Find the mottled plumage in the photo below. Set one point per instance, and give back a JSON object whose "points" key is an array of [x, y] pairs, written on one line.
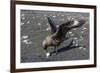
{"points": [[58, 34]]}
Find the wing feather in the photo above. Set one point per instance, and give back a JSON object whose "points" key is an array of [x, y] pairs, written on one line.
{"points": [[65, 27], [52, 25]]}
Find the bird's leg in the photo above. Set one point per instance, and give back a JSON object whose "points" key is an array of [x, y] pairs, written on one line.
{"points": [[47, 53], [56, 51], [71, 43], [45, 48], [66, 38]]}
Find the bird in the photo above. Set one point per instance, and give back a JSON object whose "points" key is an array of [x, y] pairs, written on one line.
{"points": [[58, 34]]}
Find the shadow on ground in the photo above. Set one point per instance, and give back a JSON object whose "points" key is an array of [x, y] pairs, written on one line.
{"points": [[66, 48]]}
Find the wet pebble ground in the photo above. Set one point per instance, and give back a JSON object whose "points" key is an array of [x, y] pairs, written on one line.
{"points": [[35, 27]]}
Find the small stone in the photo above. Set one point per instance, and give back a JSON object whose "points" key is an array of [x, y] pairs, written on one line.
{"points": [[75, 38], [24, 37], [47, 54], [82, 31], [47, 24], [45, 15], [70, 32], [54, 16], [28, 22], [23, 18], [84, 28], [81, 37], [57, 25], [39, 23], [62, 19], [22, 14], [84, 48], [74, 29], [25, 41], [80, 47], [76, 44], [47, 29], [29, 42], [62, 15], [33, 17], [22, 23]]}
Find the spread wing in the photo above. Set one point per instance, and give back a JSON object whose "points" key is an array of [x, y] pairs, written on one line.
{"points": [[78, 23], [65, 27], [52, 25]]}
